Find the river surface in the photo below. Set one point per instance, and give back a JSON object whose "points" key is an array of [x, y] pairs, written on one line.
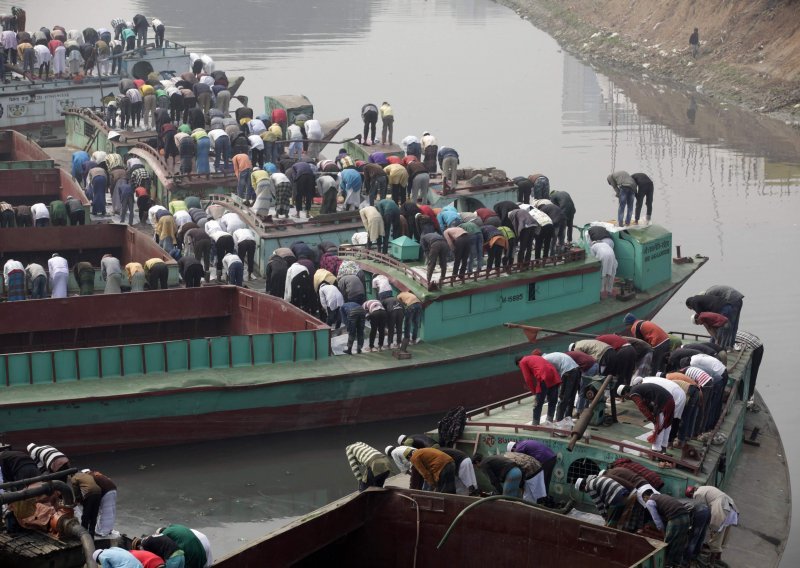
{"points": [[502, 93]]}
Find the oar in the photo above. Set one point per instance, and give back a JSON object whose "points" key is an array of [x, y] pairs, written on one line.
{"points": [[586, 415], [531, 332]]}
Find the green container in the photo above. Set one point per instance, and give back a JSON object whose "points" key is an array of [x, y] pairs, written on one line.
{"points": [[652, 255], [403, 248]]}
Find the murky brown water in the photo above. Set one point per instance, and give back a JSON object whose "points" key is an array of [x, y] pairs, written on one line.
{"points": [[503, 94]]}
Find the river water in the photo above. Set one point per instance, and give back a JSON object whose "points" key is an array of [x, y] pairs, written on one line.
{"points": [[502, 93]]}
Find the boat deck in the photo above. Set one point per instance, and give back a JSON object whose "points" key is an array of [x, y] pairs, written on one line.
{"points": [[499, 341]]}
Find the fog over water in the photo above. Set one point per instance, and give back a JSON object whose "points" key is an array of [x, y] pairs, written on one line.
{"points": [[502, 93]]}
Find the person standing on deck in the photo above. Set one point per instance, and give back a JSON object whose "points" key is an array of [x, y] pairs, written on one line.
{"points": [[157, 273], [430, 149], [354, 317], [413, 319], [88, 494], [370, 467], [382, 287], [608, 266], [158, 28], [504, 475], [564, 201], [37, 281], [732, 298], [58, 269], [376, 181], [387, 123], [245, 242], [140, 25], [191, 271], [84, 276], [111, 271], [436, 251], [448, 162], [652, 334], [373, 223], [460, 243], [539, 451], [543, 380], [747, 340], [165, 232], [233, 268], [136, 276], [570, 374], [369, 114], [625, 190], [350, 184], [678, 395], [14, 279], [644, 196], [436, 468], [609, 496], [716, 325], [724, 515], [524, 187], [331, 300], [41, 215], [525, 228], [717, 305], [466, 483], [390, 212], [242, 169], [657, 405], [377, 316], [417, 441], [475, 257], [625, 357], [672, 517], [398, 182], [544, 230], [396, 313], [108, 503]]}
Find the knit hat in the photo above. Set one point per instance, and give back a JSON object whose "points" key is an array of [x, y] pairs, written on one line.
{"points": [[578, 483], [602, 471], [571, 347], [629, 318], [388, 450], [136, 543], [637, 380], [510, 446], [400, 439], [693, 317], [96, 554], [622, 390]]}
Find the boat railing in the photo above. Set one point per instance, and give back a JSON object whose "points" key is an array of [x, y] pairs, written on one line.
{"points": [[360, 252], [268, 223], [693, 466]]}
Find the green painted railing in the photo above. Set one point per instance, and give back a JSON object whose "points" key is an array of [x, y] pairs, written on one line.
{"points": [[116, 361]]}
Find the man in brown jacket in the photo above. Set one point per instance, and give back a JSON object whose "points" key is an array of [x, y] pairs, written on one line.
{"points": [[436, 468]]}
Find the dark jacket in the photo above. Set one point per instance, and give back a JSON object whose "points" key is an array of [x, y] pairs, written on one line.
{"points": [[643, 183], [496, 468], [275, 276], [564, 201], [502, 208], [350, 286]]}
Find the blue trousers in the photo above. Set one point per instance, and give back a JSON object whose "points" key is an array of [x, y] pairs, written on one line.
{"points": [[626, 199], [512, 482], [236, 274]]}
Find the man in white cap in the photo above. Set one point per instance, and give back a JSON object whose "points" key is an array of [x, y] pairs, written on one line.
{"points": [[678, 395], [115, 557]]}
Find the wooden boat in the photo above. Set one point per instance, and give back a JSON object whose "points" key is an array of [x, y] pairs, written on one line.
{"points": [[402, 527], [750, 449], [34, 107], [241, 382]]}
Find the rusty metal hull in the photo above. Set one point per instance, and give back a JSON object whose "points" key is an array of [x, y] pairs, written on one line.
{"points": [[401, 527]]}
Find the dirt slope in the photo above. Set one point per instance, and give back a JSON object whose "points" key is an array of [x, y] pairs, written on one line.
{"points": [[750, 49]]}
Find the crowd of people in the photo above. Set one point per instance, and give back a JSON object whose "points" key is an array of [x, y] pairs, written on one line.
{"points": [[95, 497], [60, 53]]}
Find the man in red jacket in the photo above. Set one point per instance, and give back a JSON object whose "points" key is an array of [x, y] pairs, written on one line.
{"points": [[542, 380], [652, 334]]}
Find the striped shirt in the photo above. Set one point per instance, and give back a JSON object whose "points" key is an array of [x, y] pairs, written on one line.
{"points": [[44, 455], [363, 458], [699, 375], [748, 340], [605, 492]]}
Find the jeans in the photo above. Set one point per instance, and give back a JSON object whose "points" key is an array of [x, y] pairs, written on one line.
{"points": [[413, 319], [387, 130], [222, 150], [370, 121], [126, 207], [395, 325], [475, 251], [626, 198], [244, 187], [551, 395], [334, 318], [39, 288], [377, 324], [378, 187], [295, 149], [566, 393], [236, 274], [512, 482]]}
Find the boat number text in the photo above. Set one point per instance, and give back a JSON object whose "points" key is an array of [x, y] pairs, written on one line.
{"points": [[509, 299], [657, 250]]}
